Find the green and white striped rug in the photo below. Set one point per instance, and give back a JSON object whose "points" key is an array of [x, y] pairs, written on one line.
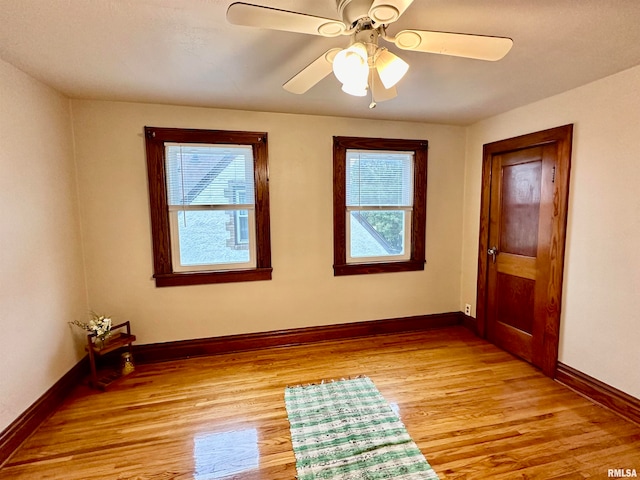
{"points": [[345, 430]]}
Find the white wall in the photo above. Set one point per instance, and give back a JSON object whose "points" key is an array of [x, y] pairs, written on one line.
{"points": [[600, 335], [41, 258], [42, 282], [303, 291]]}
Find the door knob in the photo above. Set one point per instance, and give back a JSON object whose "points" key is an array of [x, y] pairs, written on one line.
{"points": [[493, 251]]}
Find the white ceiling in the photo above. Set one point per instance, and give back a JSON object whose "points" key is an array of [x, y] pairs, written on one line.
{"points": [[184, 52]]}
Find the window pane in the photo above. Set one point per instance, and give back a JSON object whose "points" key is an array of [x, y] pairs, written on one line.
{"points": [[377, 233], [207, 237], [209, 174], [379, 178], [242, 226]]}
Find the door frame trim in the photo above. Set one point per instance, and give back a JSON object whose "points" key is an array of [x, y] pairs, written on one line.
{"points": [[562, 137]]}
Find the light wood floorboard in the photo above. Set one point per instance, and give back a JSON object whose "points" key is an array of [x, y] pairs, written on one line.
{"points": [[475, 411]]}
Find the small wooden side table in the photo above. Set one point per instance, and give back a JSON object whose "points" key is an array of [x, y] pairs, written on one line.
{"points": [[116, 340]]}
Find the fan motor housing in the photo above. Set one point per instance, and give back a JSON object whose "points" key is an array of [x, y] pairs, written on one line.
{"points": [[368, 37], [353, 10]]}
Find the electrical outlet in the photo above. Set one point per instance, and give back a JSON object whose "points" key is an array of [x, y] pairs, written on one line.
{"points": [[467, 310]]}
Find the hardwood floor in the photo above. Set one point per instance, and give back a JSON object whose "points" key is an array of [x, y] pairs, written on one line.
{"points": [[475, 412]]}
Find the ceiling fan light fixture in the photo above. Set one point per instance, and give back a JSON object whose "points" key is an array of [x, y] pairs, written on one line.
{"points": [[378, 91], [390, 67], [357, 90], [350, 66]]}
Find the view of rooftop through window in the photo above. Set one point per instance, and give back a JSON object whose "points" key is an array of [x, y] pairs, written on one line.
{"points": [[210, 190]]}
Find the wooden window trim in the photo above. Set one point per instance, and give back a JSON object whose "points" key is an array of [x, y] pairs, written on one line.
{"points": [[418, 226], [162, 266]]}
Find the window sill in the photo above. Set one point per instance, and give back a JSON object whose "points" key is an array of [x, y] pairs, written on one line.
{"points": [[369, 268], [203, 278]]}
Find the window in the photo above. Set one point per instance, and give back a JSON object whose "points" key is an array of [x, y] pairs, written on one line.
{"points": [[379, 205], [209, 199], [241, 225]]}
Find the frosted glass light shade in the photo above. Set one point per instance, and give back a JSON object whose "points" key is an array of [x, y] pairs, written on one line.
{"points": [[357, 90], [350, 66], [390, 67]]}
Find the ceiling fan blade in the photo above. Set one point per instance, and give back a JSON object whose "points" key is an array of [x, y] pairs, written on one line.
{"points": [[457, 44], [379, 93], [312, 73], [388, 11], [249, 15]]}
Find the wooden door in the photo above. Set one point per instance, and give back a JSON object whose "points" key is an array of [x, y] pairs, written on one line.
{"points": [[523, 224]]}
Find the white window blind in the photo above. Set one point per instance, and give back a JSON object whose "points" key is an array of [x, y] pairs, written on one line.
{"points": [[207, 174], [379, 179]]}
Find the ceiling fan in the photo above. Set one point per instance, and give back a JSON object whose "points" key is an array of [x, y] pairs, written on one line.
{"points": [[364, 65]]}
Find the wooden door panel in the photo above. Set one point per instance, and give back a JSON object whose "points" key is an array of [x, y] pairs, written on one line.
{"points": [[523, 219], [520, 209], [516, 189], [515, 304], [517, 265], [515, 341]]}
